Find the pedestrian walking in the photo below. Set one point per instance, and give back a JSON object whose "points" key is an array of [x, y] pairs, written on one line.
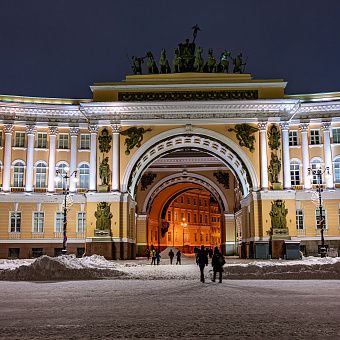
{"points": [[178, 256], [158, 257], [153, 257], [147, 253], [202, 261], [171, 255], [217, 263]]}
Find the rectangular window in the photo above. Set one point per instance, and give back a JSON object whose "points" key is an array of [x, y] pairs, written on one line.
{"points": [[59, 222], [19, 139], [182, 217], [189, 217], [194, 201], [336, 135], [206, 237], [201, 237], [81, 222], [85, 141], [38, 222], [15, 221], [293, 138], [317, 216], [201, 218], [205, 203], [295, 173], [169, 216], [182, 199], [169, 236], [314, 137], [206, 219], [195, 218], [42, 140], [63, 141], [195, 237], [188, 200], [299, 219], [200, 202], [176, 217]]}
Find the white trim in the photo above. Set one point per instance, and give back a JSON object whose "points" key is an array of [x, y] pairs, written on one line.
{"points": [[31, 241], [153, 149]]}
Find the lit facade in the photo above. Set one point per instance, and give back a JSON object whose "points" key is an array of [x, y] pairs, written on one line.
{"points": [[40, 135]]}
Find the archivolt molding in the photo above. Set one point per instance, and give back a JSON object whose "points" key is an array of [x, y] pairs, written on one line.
{"points": [[185, 178], [200, 139]]}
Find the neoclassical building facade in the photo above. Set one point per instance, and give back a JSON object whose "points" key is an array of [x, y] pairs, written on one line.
{"points": [[169, 135]]}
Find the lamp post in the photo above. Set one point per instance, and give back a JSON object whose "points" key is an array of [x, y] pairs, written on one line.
{"points": [[183, 225], [318, 172], [64, 177]]}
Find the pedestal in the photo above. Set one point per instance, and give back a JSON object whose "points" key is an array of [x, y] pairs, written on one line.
{"points": [[103, 188], [100, 246], [292, 250], [261, 250], [277, 186]]}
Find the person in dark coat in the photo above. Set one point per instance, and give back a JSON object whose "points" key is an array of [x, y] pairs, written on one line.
{"points": [[217, 263], [153, 256], [171, 255], [202, 261], [158, 257], [178, 256], [147, 253]]}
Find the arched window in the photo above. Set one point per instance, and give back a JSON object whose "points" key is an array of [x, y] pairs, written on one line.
{"points": [[295, 172], [316, 164], [18, 174], [84, 176], [40, 175], [61, 167], [337, 169]]}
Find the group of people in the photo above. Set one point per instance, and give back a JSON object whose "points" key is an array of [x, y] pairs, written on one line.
{"points": [[217, 260]]}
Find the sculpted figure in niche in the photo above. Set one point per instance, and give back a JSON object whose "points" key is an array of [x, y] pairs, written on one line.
{"points": [[278, 215], [104, 171], [103, 216], [274, 137], [274, 169]]}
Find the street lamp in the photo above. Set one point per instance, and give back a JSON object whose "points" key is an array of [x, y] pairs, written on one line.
{"points": [[318, 172], [183, 225], [65, 178]]}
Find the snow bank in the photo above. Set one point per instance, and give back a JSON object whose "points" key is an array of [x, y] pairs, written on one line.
{"points": [[65, 267], [69, 267]]}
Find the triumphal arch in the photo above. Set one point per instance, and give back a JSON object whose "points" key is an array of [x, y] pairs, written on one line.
{"points": [[171, 159]]}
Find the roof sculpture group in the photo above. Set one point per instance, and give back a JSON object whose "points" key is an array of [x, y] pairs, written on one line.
{"points": [[188, 58]]}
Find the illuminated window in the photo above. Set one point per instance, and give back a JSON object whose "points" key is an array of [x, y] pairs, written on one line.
{"points": [[299, 219], [40, 175], [15, 221], [81, 222], [63, 141], [85, 141], [38, 222], [42, 140], [59, 221], [19, 141], [18, 174], [293, 138], [295, 172], [336, 135], [182, 217], [84, 176], [314, 137], [169, 215], [176, 217]]}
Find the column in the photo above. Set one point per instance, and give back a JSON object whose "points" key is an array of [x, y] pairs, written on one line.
{"points": [[52, 130], [115, 156], [305, 155], [285, 155], [30, 130], [93, 157], [263, 155], [328, 154], [6, 179], [73, 163]]}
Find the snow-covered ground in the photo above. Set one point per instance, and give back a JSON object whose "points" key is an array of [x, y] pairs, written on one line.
{"points": [[69, 267]]}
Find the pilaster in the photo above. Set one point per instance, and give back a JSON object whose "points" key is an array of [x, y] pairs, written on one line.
{"points": [[285, 155], [305, 154], [30, 130], [93, 157], [116, 128], [263, 155], [52, 130]]}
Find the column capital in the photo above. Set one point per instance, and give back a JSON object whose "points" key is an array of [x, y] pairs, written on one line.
{"points": [[52, 130], [30, 129], [284, 126], [93, 128], [116, 127], [325, 126], [262, 126], [304, 127], [74, 131], [8, 128]]}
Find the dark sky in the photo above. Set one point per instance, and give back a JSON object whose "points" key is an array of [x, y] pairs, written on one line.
{"points": [[57, 48]]}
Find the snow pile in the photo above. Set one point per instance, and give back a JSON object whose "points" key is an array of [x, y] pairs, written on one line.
{"points": [[65, 267], [68, 267]]}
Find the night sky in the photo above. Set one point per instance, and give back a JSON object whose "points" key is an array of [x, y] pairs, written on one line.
{"points": [[59, 48]]}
